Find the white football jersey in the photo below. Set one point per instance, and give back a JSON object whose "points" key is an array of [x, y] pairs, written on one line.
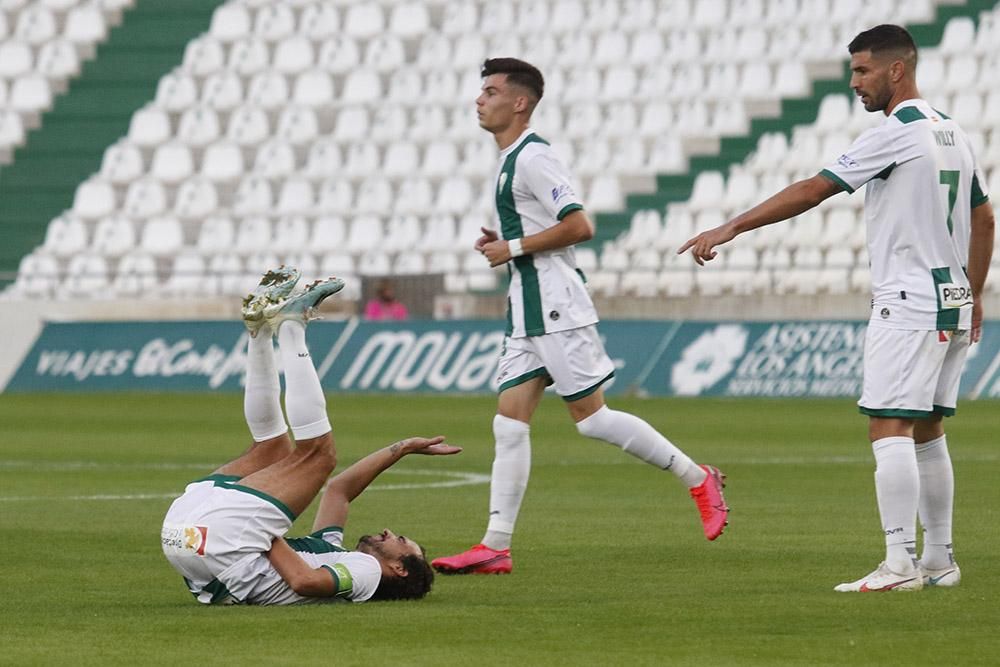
{"points": [[534, 192], [922, 184], [357, 575]]}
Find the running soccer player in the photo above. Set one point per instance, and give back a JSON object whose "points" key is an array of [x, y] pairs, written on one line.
{"points": [[551, 322], [930, 240], [225, 534]]}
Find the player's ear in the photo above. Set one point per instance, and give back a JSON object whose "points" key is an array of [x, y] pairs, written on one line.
{"points": [[398, 568]]}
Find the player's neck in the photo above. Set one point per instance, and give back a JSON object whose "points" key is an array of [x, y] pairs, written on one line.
{"points": [[509, 135], [902, 94]]}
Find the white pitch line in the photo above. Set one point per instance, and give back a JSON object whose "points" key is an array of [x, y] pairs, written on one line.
{"points": [[454, 479]]}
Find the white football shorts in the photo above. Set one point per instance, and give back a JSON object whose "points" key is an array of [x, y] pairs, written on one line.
{"points": [[215, 526], [912, 374], [574, 360]]}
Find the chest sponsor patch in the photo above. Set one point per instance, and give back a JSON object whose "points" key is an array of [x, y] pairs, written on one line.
{"points": [[954, 296], [190, 540]]}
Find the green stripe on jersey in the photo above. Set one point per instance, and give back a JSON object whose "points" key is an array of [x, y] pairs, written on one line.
{"points": [[884, 174], [947, 318], [837, 180], [511, 228], [978, 198], [567, 209], [942, 115], [909, 115], [312, 545]]}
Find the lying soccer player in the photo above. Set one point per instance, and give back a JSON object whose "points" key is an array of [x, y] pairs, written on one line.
{"points": [[225, 534]]}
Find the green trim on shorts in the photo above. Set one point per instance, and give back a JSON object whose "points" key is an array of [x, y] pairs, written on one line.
{"points": [[521, 379], [895, 412], [217, 589], [217, 478], [943, 411], [260, 494], [589, 390]]}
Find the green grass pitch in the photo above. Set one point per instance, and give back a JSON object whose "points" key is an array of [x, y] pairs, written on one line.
{"points": [[610, 564]]}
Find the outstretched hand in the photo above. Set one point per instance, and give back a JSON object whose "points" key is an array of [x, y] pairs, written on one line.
{"points": [[435, 446], [703, 244]]}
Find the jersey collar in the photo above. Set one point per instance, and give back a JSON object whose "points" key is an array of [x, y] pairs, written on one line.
{"points": [[517, 142]]}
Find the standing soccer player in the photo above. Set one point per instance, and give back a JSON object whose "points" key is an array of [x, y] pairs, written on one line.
{"points": [[551, 322], [930, 240]]}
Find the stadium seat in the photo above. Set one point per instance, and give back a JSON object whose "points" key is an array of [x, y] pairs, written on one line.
{"points": [[94, 198], [338, 55], [362, 86], [136, 275], [144, 198], [65, 236], [176, 91], [313, 88], [203, 56], [222, 162], [196, 198], [248, 56], [324, 159], [253, 196], [327, 234], [172, 163], [38, 275], [86, 277], [364, 21], [122, 163], [188, 277], [362, 160], [113, 236], [296, 197], [335, 196], [149, 126], [402, 158], [36, 24], [230, 22], [216, 235], [319, 21], [294, 54], [253, 235], [30, 94], [365, 234], [58, 60], [229, 275], [85, 26], [268, 90], [385, 53], [374, 195], [291, 234], [275, 159], [162, 236], [297, 125], [274, 21], [222, 91], [248, 126]]}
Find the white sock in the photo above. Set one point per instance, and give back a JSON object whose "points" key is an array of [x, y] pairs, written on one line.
{"points": [[897, 487], [262, 397], [511, 467], [937, 489], [304, 399], [642, 441]]}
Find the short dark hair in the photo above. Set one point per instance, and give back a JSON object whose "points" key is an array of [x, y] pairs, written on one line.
{"points": [[413, 586], [885, 37], [518, 72]]}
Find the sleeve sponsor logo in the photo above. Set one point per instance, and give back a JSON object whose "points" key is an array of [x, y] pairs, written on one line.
{"points": [[564, 190], [847, 162]]}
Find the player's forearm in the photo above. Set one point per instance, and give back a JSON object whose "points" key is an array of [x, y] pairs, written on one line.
{"points": [[349, 484], [980, 246], [574, 228], [794, 200], [303, 579]]}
